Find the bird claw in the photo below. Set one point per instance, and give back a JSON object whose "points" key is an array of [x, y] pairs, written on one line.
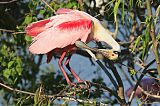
{"points": [[81, 84], [84, 84], [72, 85]]}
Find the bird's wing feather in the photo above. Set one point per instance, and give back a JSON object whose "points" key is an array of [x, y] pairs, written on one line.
{"points": [[63, 11], [62, 35], [36, 27]]}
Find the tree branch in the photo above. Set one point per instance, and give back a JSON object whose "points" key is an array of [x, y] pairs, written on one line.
{"points": [[68, 97], [119, 80], [7, 2], [152, 34], [138, 82], [11, 31], [48, 6], [148, 94]]}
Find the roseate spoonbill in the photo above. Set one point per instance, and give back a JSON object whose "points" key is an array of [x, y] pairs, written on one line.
{"points": [[148, 85], [59, 33]]}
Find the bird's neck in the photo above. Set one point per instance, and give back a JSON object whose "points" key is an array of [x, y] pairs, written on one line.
{"points": [[102, 34]]}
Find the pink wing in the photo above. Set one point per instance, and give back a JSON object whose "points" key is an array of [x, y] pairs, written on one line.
{"points": [[64, 11], [37, 27], [62, 35]]}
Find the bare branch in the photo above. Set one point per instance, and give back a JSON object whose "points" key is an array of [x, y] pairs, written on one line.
{"points": [[66, 97], [48, 6], [7, 2], [119, 80], [138, 81], [152, 34], [141, 72], [16, 90], [12, 31], [148, 94]]}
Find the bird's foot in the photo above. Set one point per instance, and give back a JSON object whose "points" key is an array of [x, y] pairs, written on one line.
{"points": [[81, 84], [84, 84], [81, 87], [72, 85]]}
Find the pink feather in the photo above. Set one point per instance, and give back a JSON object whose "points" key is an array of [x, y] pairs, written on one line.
{"points": [[63, 11], [58, 32], [37, 27]]}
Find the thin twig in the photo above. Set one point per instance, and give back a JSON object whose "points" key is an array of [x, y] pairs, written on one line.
{"points": [[12, 31], [61, 97], [116, 30], [109, 90], [48, 6], [148, 94], [140, 72], [138, 82], [81, 4], [119, 80], [125, 75], [103, 88], [107, 73], [7, 2], [16, 90], [6, 30], [152, 34]]}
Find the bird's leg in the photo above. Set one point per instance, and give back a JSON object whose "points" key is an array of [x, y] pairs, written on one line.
{"points": [[71, 70], [74, 74], [62, 69]]}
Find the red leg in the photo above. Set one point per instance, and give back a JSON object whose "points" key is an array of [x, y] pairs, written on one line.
{"points": [[62, 69], [71, 70]]}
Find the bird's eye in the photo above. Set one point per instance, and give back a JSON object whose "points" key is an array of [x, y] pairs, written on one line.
{"points": [[115, 52]]}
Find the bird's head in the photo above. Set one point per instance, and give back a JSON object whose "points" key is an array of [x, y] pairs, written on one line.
{"points": [[101, 34], [111, 55], [112, 48]]}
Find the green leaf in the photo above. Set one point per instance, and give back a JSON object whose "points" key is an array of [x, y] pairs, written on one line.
{"points": [[4, 50], [123, 11], [19, 65], [6, 73], [130, 5], [10, 64], [136, 43], [28, 19], [139, 3], [132, 72], [146, 37], [28, 38], [116, 9], [42, 11], [36, 97]]}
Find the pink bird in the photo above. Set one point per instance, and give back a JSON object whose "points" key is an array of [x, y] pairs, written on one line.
{"points": [[59, 33], [149, 85]]}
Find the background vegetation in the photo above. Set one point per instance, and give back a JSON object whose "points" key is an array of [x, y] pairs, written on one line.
{"points": [[24, 82]]}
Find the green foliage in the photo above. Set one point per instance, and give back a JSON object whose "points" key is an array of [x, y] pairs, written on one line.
{"points": [[137, 42], [115, 10], [40, 100], [28, 38], [146, 38], [10, 63], [132, 72], [123, 1], [28, 19]]}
